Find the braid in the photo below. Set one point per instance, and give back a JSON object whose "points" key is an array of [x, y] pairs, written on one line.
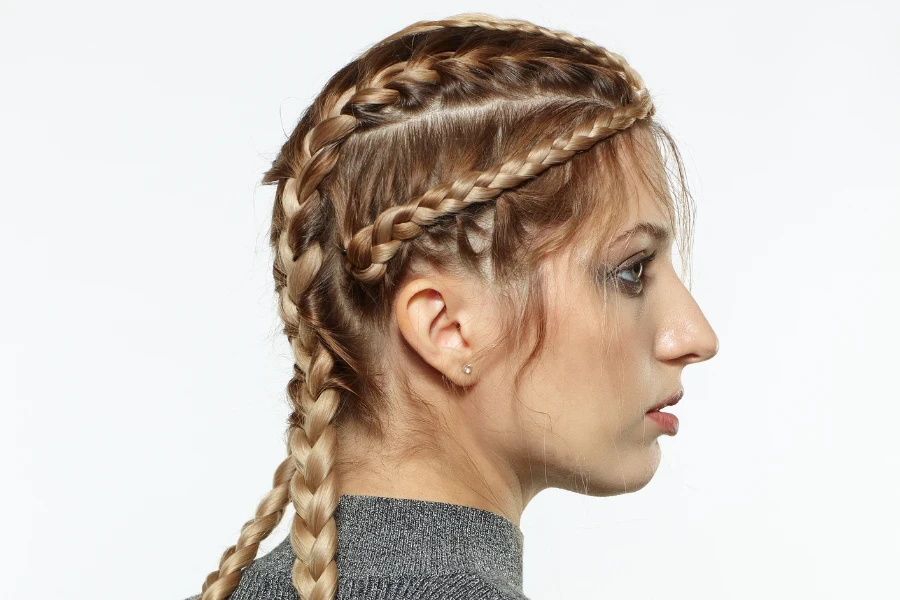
{"points": [[375, 244], [307, 478], [220, 583], [485, 21]]}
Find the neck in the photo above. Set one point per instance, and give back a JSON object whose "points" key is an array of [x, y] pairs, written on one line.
{"points": [[467, 476]]}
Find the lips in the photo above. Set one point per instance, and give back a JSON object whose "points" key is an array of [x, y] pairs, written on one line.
{"points": [[670, 401]]}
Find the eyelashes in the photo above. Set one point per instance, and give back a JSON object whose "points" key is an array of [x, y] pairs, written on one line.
{"points": [[635, 270]]}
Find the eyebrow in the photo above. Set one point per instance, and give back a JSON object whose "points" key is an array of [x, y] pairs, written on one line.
{"points": [[658, 232]]}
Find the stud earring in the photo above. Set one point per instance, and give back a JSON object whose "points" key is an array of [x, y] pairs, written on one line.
{"points": [[467, 369]]}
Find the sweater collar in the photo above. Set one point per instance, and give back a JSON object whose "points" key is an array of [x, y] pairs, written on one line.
{"points": [[384, 536]]}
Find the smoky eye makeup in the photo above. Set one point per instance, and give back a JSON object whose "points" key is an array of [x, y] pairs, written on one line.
{"points": [[629, 275]]}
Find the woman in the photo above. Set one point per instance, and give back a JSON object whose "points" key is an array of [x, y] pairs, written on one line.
{"points": [[473, 234]]}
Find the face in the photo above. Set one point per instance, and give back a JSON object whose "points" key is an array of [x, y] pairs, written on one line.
{"points": [[578, 421], [610, 355]]}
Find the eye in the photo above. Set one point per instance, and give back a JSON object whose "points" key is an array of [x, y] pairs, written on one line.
{"points": [[633, 283]]}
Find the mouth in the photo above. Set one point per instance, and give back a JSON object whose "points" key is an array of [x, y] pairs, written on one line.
{"points": [[670, 401]]}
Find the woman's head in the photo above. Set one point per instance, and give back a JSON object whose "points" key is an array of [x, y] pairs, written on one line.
{"points": [[462, 310]]}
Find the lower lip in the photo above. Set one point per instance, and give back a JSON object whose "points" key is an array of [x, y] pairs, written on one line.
{"points": [[667, 421]]}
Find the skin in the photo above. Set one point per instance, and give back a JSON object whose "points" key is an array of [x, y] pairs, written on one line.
{"points": [[579, 420]]}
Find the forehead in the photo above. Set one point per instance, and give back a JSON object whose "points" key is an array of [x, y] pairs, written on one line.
{"points": [[646, 217], [641, 212], [631, 198]]}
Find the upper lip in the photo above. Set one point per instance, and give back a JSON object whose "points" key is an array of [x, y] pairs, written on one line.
{"points": [[673, 399]]}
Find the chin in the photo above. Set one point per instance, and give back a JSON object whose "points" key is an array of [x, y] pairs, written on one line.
{"points": [[625, 477]]}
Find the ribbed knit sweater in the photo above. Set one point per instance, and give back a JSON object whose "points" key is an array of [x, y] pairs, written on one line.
{"points": [[404, 549]]}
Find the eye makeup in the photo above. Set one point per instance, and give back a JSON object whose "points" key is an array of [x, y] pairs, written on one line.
{"points": [[633, 287]]}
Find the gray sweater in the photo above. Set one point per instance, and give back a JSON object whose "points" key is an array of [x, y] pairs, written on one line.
{"points": [[403, 549]]}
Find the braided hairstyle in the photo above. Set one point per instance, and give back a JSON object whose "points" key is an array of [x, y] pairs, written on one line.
{"points": [[426, 149]]}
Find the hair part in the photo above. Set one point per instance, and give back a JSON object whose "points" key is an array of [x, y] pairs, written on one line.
{"points": [[473, 145]]}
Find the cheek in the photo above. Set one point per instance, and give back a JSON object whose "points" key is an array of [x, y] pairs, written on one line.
{"points": [[592, 380], [584, 400], [606, 381]]}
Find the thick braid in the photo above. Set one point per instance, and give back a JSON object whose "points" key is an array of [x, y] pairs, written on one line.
{"points": [[375, 244], [313, 439]]}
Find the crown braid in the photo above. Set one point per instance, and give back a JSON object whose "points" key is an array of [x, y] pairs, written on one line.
{"points": [[306, 477]]}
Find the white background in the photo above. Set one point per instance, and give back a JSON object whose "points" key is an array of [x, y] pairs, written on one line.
{"points": [[142, 368]]}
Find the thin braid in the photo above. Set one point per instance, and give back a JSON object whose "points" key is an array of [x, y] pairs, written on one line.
{"points": [[306, 477], [485, 21], [220, 583], [375, 244], [340, 121]]}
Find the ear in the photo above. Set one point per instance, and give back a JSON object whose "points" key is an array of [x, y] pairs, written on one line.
{"points": [[436, 322]]}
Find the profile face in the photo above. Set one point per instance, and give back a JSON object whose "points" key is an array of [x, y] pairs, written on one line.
{"points": [[610, 356]]}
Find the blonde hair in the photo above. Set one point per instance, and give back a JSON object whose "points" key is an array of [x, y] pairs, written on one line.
{"points": [[434, 146]]}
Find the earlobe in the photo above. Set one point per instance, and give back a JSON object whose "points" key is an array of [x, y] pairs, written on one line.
{"points": [[428, 318]]}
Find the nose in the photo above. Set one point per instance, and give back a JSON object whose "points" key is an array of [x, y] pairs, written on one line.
{"points": [[685, 334]]}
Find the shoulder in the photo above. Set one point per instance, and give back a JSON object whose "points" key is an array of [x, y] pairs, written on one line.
{"points": [[269, 578], [438, 587], [470, 586]]}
